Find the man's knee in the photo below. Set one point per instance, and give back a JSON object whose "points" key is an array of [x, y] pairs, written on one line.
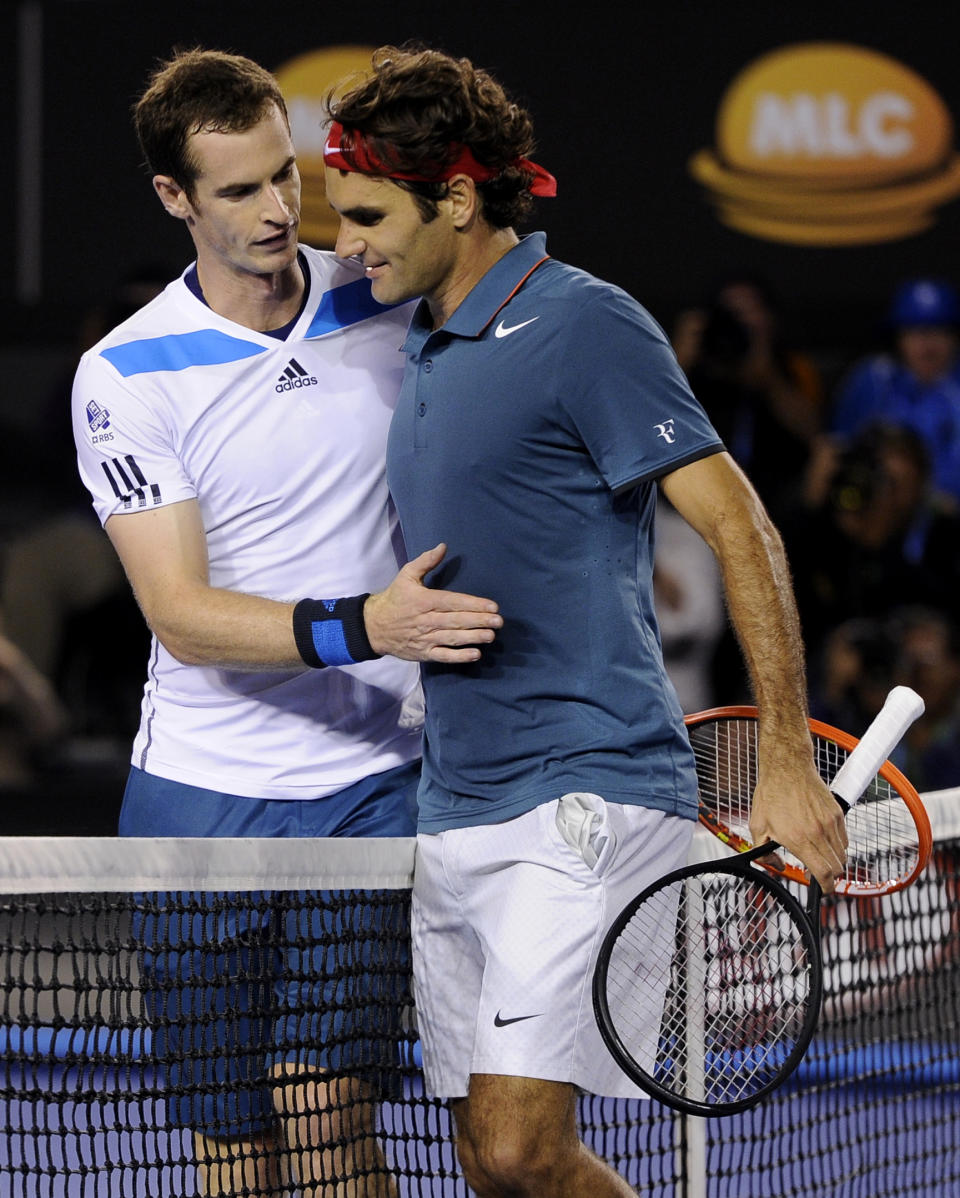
{"points": [[511, 1167], [511, 1150], [250, 1164], [324, 1108], [514, 1167]]}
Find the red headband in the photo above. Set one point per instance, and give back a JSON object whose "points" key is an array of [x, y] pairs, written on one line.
{"points": [[360, 156]]}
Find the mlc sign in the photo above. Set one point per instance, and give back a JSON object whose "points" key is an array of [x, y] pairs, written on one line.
{"points": [[829, 144], [305, 82]]}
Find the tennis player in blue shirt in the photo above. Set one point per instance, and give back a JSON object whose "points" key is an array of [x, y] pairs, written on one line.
{"points": [[541, 408]]}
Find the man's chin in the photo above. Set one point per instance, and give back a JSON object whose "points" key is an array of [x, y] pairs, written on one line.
{"points": [[381, 291], [272, 262], [385, 290]]}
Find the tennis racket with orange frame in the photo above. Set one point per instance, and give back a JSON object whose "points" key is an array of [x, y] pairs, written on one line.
{"points": [[887, 825], [708, 985]]}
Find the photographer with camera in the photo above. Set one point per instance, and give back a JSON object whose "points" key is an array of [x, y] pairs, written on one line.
{"points": [[915, 382], [765, 398], [874, 536]]}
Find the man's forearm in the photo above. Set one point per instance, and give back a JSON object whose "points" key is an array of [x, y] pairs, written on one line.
{"points": [[763, 612], [211, 626], [791, 806], [715, 497]]}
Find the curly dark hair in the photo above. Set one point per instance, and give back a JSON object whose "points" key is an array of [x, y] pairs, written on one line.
{"points": [[420, 104], [199, 90]]}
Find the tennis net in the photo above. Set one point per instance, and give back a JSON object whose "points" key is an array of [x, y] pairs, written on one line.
{"points": [[183, 1015]]}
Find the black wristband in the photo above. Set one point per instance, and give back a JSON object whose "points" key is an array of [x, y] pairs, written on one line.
{"points": [[331, 632]]}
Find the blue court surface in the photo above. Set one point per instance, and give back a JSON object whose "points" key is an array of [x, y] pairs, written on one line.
{"points": [[62, 1137], [842, 1142]]}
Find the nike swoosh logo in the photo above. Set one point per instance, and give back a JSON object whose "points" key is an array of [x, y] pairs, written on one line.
{"points": [[498, 1022], [504, 330]]}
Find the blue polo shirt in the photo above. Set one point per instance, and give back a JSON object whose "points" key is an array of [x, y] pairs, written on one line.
{"points": [[528, 436]]}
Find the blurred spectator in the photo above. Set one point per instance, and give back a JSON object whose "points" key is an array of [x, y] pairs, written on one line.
{"points": [[916, 384], [46, 789], [57, 569], [765, 398], [874, 536], [63, 597], [45, 482], [688, 595], [916, 646], [32, 722], [854, 674], [928, 659]]}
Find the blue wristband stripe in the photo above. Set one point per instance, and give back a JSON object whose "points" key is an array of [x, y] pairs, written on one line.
{"points": [[331, 632], [330, 642]]}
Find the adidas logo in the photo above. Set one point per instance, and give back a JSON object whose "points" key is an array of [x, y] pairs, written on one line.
{"points": [[295, 377]]}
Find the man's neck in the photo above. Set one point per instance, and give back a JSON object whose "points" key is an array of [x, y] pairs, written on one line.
{"points": [[482, 250], [260, 302]]}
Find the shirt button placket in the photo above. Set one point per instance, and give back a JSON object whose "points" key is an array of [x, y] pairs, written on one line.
{"points": [[420, 422]]}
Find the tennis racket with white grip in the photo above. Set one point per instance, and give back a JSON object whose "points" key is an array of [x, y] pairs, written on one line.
{"points": [[708, 985]]}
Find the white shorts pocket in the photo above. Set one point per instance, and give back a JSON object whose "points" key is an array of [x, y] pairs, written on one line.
{"points": [[584, 823]]}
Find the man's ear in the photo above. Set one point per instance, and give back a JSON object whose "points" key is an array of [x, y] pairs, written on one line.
{"points": [[463, 199], [172, 197]]}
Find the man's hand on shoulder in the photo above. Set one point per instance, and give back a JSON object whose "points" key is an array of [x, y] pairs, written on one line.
{"points": [[417, 623]]}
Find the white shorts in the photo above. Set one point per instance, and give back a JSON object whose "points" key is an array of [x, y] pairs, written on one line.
{"points": [[507, 923]]}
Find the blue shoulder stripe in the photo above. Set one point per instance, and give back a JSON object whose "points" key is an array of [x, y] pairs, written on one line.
{"points": [[177, 351], [344, 306], [338, 308]]}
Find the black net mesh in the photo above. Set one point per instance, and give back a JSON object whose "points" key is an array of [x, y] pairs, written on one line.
{"points": [[263, 1042]]}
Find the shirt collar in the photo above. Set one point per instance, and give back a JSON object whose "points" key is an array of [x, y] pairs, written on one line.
{"points": [[491, 292]]}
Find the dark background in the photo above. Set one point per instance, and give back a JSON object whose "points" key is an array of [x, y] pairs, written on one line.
{"points": [[623, 94]]}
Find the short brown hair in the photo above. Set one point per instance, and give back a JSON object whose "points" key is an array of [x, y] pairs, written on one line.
{"points": [[419, 103], [199, 90]]}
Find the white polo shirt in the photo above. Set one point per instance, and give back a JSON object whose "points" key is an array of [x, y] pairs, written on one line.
{"points": [[282, 444]]}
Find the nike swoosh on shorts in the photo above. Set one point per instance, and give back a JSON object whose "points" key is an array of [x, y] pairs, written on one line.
{"points": [[498, 1022]]}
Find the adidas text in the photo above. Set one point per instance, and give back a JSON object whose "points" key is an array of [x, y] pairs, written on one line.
{"points": [[293, 384]]}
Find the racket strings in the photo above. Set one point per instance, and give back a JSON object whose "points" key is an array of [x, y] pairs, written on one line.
{"points": [[709, 987], [884, 846]]}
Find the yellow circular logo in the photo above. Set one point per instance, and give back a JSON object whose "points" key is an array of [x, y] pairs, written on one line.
{"points": [[305, 81], [829, 144]]}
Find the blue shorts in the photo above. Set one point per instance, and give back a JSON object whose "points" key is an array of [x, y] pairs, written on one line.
{"points": [[242, 982]]}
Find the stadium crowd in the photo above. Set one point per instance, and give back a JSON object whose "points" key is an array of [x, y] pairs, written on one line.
{"points": [[863, 480], [861, 476]]}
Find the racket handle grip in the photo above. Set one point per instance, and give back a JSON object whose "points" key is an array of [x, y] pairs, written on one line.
{"points": [[901, 708]]}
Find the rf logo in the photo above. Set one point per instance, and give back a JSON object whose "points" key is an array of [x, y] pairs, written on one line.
{"points": [[666, 430]]}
